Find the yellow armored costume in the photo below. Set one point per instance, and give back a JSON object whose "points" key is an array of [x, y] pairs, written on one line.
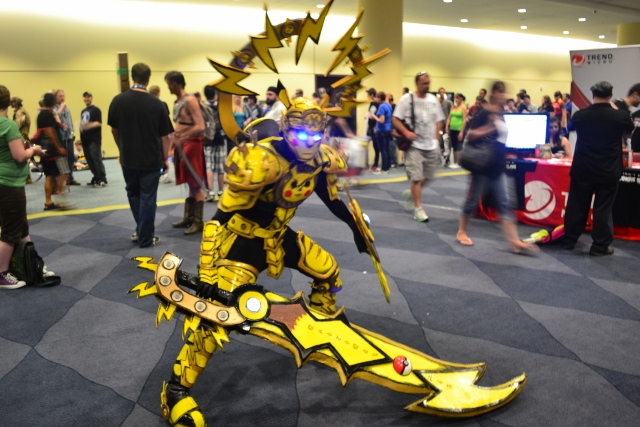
{"points": [[267, 180]]}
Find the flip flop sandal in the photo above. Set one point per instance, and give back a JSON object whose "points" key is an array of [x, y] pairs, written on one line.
{"points": [[465, 242], [50, 207]]}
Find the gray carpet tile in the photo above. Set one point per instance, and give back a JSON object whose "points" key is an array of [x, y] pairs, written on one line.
{"points": [[115, 286], [28, 314], [43, 393], [559, 391], [596, 339], [628, 385], [11, 354], [57, 228], [94, 265], [453, 272], [98, 327], [87, 353], [630, 292], [485, 316], [550, 288], [140, 417]]}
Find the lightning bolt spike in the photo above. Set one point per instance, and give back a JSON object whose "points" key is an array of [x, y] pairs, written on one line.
{"points": [[230, 78], [346, 44], [263, 42], [311, 29], [360, 70]]}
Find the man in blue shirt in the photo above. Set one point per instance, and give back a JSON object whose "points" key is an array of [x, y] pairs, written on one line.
{"points": [[383, 130]]}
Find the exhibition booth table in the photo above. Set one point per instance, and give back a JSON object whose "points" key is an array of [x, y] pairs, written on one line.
{"points": [[540, 189]]}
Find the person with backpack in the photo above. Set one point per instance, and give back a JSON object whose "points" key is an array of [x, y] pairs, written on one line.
{"points": [[14, 169], [188, 151]]}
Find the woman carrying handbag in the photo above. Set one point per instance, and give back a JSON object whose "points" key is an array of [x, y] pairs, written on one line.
{"points": [[489, 131]]}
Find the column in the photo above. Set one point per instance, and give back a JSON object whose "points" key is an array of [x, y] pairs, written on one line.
{"points": [[628, 34]]}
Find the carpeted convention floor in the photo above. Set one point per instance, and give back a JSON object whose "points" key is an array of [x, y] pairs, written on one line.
{"points": [[87, 354]]}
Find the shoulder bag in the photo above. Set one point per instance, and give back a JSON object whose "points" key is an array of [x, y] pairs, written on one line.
{"points": [[402, 141]]}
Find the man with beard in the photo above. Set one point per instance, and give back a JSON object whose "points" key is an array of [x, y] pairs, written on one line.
{"points": [[275, 107]]}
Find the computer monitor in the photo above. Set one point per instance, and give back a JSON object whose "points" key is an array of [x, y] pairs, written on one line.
{"points": [[526, 131]]}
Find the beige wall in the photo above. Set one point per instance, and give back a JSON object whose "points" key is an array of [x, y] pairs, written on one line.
{"points": [[78, 53]]}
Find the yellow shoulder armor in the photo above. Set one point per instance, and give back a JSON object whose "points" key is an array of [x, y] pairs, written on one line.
{"points": [[249, 169], [334, 162]]}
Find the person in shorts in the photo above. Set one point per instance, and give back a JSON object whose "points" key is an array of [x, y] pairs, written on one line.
{"points": [[14, 169], [423, 157]]}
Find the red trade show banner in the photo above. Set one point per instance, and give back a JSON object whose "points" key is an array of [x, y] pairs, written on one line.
{"points": [[540, 189]]}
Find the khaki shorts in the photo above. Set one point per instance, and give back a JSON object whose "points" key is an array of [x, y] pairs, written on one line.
{"points": [[421, 163]]}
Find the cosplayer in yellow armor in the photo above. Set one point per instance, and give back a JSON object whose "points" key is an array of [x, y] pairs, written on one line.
{"points": [[267, 179]]}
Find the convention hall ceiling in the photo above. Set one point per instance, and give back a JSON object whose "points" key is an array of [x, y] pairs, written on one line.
{"points": [[542, 17]]}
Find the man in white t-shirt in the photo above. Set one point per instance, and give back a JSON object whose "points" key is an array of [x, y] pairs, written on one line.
{"points": [[274, 107], [422, 158]]}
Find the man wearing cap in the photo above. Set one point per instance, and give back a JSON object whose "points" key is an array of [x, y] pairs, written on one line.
{"points": [[596, 168], [275, 107], [91, 138]]}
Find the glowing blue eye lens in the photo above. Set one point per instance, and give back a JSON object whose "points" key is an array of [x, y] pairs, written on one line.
{"points": [[317, 137], [302, 136]]}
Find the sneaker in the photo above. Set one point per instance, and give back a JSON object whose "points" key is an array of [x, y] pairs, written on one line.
{"points": [[154, 242], [100, 183], [9, 281], [134, 237], [409, 206], [373, 168], [74, 182], [210, 197], [47, 273], [92, 183], [218, 196], [420, 215], [377, 172], [454, 166]]}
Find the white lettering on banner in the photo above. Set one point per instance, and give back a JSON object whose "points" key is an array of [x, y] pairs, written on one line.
{"points": [[539, 200], [629, 178], [511, 166], [565, 194]]}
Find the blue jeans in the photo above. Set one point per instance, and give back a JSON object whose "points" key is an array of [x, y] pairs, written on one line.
{"points": [[142, 191], [482, 186], [382, 139]]}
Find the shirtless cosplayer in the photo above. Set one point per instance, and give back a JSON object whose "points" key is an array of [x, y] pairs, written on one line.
{"points": [[187, 144]]}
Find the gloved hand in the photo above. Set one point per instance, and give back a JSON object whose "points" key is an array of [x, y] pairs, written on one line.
{"points": [[206, 291]]}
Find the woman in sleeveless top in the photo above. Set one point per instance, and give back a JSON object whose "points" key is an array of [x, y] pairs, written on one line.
{"points": [[455, 127], [560, 146], [489, 127]]}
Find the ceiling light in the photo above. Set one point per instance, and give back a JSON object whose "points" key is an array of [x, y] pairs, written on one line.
{"points": [[523, 27], [447, 1], [522, 10], [565, 32], [582, 19], [601, 36], [320, 6], [464, 20]]}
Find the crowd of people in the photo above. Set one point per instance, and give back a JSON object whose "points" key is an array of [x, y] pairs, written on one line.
{"points": [[197, 147]]}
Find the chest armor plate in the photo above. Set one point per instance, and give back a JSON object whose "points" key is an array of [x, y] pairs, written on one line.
{"points": [[296, 185]]}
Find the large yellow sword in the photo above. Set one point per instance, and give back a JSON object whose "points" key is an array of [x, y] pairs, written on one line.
{"points": [[449, 389]]}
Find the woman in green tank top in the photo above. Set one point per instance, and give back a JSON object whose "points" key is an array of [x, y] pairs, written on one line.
{"points": [[455, 127]]}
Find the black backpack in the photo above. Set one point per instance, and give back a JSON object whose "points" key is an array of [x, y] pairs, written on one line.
{"points": [[28, 266]]}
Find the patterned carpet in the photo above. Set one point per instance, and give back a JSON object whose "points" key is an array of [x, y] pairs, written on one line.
{"points": [[87, 354]]}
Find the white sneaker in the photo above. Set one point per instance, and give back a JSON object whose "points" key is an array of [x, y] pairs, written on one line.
{"points": [[454, 166], [47, 273], [9, 281], [408, 201], [420, 215]]}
